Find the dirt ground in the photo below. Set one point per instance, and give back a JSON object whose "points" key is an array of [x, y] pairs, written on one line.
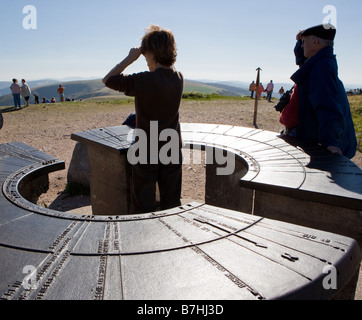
{"points": [[49, 127]]}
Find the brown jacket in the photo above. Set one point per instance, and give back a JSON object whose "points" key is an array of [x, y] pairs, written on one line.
{"points": [[157, 95]]}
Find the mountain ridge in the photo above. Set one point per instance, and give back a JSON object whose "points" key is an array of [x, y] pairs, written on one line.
{"points": [[91, 89]]}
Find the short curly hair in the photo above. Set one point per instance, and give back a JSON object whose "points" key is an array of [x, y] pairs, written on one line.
{"points": [[161, 43]]}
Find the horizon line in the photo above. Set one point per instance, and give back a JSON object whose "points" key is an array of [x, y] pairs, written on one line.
{"points": [[72, 79]]}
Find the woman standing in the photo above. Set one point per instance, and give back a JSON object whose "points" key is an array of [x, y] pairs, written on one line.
{"points": [[15, 90], [158, 96], [25, 92]]}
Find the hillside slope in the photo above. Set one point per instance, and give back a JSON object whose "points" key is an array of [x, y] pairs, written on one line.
{"points": [[73, 90], [95, 89]]}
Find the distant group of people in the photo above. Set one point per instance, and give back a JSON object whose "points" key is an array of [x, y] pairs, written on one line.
{"points": [[354, 92], [25, 92], [20, 91], [269, 90]]}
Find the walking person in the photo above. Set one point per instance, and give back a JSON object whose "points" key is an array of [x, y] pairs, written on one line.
{"points": [[158, 94], [15, 90], [25, 92]]}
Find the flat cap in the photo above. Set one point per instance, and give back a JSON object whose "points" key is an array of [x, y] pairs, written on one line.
{"points": [[324, 31]]}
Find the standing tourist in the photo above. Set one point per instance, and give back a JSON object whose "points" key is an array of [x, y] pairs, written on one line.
{"points": [[61, 93], [252, 89], [269, 90], [324, 110], [25, 92], [15, 90], [158, 96]]}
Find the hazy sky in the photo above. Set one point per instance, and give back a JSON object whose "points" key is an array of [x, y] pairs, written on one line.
{"points": [[218, 40]]}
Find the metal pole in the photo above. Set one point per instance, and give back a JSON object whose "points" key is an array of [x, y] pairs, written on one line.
{"points": [[256, 95]]}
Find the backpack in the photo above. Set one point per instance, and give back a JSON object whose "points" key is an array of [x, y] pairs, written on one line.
{"points": [[130, 121], [284, 100]]}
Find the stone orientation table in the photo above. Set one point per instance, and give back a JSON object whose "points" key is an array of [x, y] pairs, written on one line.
{"points": [[273, 176], [193, 252]]}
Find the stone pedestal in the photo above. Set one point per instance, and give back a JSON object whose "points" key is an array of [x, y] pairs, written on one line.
{"points": [[79, 172], [109, 181], [108, 169]]}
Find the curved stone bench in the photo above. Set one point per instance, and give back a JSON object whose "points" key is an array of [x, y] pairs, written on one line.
{"points": [[196, 251], [272, 176], [24, 176], [284, 179]]}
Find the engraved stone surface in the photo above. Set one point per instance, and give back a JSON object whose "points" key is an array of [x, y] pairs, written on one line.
{"points": [[196, 251]]}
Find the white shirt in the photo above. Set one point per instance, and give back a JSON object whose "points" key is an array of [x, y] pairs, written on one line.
{"points": [[25, 90]]}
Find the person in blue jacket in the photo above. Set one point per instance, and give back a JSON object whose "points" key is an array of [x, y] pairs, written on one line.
{"points": [[324, 111]]}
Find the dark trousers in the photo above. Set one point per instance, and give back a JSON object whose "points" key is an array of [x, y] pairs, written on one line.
{"points": [[143, 187], [17, 102], [269, 95]]}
